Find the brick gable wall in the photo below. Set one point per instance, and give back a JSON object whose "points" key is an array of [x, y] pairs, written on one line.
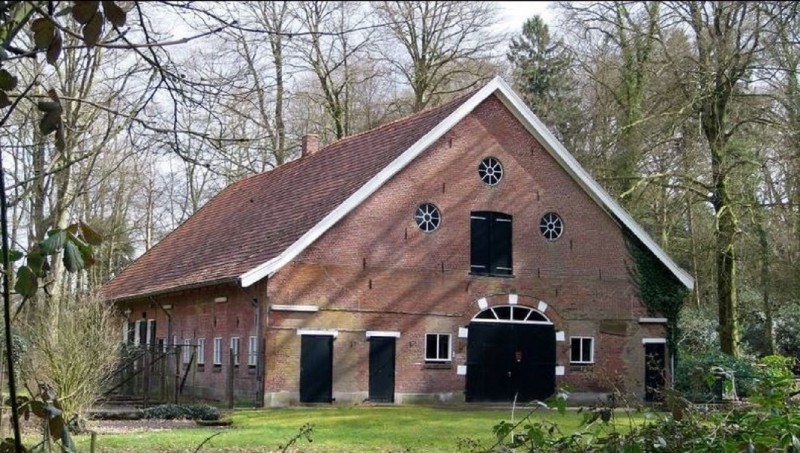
{"points": [[376, 270]]}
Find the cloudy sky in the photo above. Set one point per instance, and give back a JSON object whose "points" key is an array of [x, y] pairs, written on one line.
{"points": [[514, 14]]}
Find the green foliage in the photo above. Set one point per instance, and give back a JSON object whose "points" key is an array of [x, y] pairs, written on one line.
{"points": [[692, 375], [659, 290], [182, 411], [76, 241], [772, 425]]}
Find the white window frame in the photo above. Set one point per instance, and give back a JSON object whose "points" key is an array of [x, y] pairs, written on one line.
{"points": [[252, 351], [235, 350], [201, 351], [217, 359], [581, 360], [439, 336], [186, 348]]}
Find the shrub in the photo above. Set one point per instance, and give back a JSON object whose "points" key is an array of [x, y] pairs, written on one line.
{"points": [[692, 375], [182, 411], [73, 345]]}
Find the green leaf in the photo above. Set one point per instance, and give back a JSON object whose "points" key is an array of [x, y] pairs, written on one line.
{"points": [[73, 260], [7, 81], [14, 255], [83, 12], [54, 49], [91, 236], [27, 283], [114, 14], [43, 31], [93, 29], [4, 100], [55, 242]]}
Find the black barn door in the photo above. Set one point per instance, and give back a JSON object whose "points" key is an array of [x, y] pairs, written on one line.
{"points": [[381, 369], [655, 361], [505, 360], [316, 369]]}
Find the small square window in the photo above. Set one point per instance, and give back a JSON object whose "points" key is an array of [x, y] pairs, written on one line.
{"points": [[581, 350], [437, 347]]}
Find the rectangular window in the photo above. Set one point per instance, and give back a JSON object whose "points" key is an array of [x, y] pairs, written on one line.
{"points": [[151, 332], [437, 347], [201, 351], [218, 351], [252, 351], [235, 350], [187, 350], [581, 350], [490, 252]]}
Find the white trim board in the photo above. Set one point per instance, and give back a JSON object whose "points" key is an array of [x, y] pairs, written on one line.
{"points": [[303, 308], [518, 108], [333, 333], [652, 320], [654, 340], [382, 333]]}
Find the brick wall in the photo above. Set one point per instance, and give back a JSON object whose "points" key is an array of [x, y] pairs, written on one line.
{"points": [[376, 271]]}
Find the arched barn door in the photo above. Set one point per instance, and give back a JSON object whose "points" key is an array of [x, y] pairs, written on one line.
{"points": [[511, 352]]}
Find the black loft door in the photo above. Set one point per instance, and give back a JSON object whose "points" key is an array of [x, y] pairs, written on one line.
{"points": [[316, 369], [381, 369]]}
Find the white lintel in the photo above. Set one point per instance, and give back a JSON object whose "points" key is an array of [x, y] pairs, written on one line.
{"points": [[383, 333], [304, 308]]}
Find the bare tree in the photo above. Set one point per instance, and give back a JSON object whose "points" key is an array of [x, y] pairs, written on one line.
{"points": [[439, 39]]}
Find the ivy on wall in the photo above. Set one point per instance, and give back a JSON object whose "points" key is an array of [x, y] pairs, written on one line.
{"points": [[660, 291]]}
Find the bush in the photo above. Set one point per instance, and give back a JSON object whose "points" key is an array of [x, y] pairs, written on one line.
{"points": [[182, 411], [73, 346], [693, 379]]}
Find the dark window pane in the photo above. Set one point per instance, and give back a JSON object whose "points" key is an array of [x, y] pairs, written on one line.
{"points": [[430, 347], [519, 313], [536, 316], [587, 349], [503, 313], [444, 347], [575, 350], [486, 314]]}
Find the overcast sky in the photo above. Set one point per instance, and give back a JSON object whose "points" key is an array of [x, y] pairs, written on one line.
{"points": [[514, 14]]}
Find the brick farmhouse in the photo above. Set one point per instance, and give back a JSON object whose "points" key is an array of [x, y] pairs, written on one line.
{"points": [[459, 254]]}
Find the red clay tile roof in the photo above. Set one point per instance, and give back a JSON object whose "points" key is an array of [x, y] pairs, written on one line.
{"points": [[256, 219]]}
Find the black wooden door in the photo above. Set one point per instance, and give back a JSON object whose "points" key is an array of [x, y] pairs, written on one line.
{"points": [[655, 359], [506, 360], [316, 369], [381, 369]]}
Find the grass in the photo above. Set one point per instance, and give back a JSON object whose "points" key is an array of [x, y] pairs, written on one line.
{"points": [[339, 429]]}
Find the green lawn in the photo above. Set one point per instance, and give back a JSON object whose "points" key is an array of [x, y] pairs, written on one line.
{"points": [[339, 429]]}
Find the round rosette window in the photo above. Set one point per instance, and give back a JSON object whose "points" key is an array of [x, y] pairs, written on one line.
{"points": [[428, 217], [490, 170], [551, 226]]}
